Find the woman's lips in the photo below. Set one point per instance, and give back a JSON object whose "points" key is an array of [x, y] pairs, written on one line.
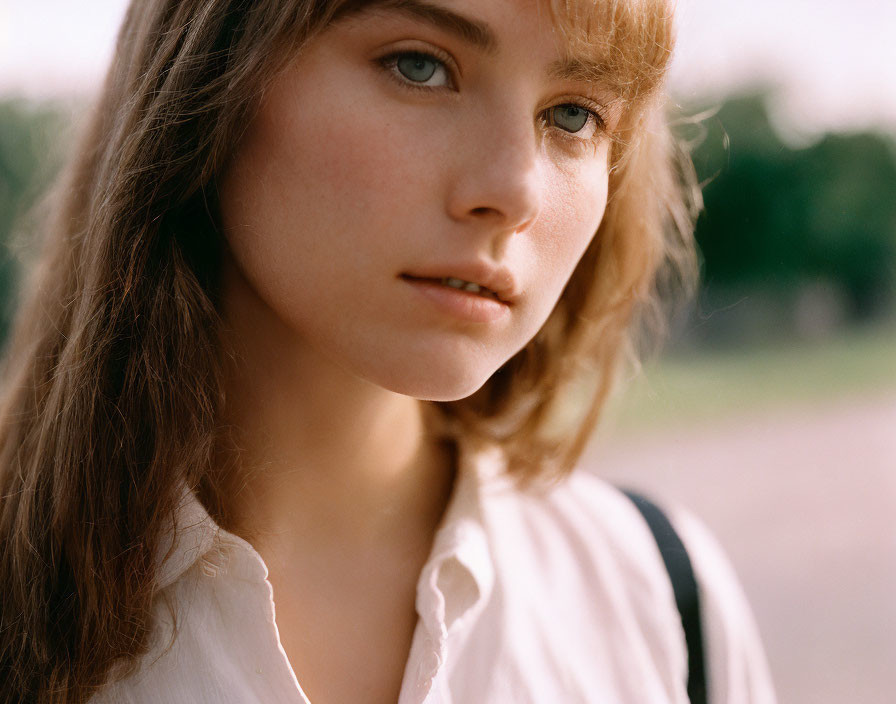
{"points": [[493, 276], [458, 303], [458, 284]]}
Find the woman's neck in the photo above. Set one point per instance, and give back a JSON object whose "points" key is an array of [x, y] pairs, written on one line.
{"points": [[324, 457]]}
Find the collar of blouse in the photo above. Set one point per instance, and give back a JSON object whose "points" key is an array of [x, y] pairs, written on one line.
{"points": [[457, 578]]}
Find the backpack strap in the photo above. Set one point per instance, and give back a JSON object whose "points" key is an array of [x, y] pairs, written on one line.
{"points": [[684, 585]]}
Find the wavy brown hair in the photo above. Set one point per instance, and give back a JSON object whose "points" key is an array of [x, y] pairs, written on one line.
{"points": [[112, 386]]}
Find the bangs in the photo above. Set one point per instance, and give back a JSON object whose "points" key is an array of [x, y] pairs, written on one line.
{"points": [[624, 44]]}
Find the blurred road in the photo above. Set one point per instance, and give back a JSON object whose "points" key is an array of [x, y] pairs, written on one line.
{"points": [[804, 501]]}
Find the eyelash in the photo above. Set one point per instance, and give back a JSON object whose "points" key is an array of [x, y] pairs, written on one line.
{"points": [[390, 62]]}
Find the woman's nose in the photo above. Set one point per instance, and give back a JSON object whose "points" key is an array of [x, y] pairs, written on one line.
{"points": [[497, 178]]}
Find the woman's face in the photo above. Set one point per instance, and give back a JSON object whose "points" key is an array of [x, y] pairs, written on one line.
{"points": [[404, 148]]}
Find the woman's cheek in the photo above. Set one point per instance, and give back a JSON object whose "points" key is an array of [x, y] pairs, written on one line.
{"points": [[571, 222]]}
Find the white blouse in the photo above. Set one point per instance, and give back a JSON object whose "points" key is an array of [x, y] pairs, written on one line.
{"points": [[549, 596]]}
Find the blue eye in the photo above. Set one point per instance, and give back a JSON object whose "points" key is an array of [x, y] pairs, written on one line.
{"points": [[571, 118], [418, 68]]}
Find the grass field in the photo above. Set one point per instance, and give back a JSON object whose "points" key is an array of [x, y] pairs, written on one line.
{"points": [[702, 387]]}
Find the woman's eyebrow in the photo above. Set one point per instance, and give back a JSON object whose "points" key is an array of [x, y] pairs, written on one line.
{"points": [[573, 68], [470, 30]]}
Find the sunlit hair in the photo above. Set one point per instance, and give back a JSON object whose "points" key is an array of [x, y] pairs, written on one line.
{"points": [[113, 384]]}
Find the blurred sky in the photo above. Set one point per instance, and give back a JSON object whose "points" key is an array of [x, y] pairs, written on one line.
{"points": [[833, 62]]}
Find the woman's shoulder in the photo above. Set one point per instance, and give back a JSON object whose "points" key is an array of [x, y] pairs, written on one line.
{"points": [[578, 552], [585, 538], [735, 659], [581, 518], [585, 517]]}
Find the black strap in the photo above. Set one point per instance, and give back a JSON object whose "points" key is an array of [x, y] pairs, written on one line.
{"points": [[684, 584]]}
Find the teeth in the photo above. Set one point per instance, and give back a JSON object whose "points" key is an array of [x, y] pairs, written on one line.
{"points": [[469, 286], [461, 284]]}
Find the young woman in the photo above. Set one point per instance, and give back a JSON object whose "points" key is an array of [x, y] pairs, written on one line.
{"points": [[331, 298]]}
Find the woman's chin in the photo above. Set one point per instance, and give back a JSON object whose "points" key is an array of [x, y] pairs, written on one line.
{"points": [[443, 383]]}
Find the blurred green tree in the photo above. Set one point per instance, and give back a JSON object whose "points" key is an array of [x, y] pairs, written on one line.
{"points": [[31, 143], [779, 218]]}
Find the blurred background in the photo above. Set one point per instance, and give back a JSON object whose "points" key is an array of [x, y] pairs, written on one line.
{"points": [[772, 414]]}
